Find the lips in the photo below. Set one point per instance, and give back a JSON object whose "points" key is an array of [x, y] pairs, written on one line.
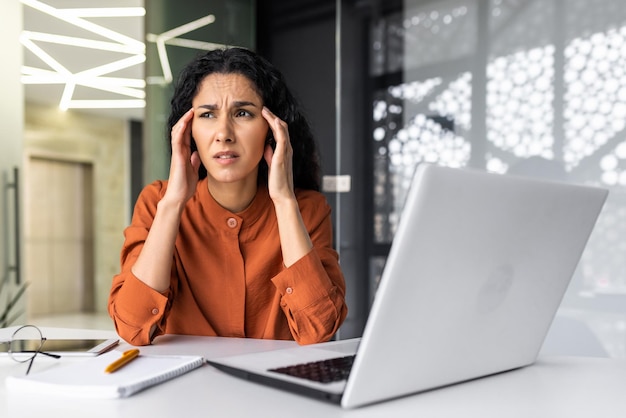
{"points": [[225, 155]]}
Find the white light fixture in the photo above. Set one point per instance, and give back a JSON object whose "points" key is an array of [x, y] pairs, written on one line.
{"points": [[81, 42], [107, 12], [170, 37], [131, 90], [73, 17]]}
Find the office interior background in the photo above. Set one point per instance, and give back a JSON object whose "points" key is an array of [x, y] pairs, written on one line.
{"points": [[525, 87]]}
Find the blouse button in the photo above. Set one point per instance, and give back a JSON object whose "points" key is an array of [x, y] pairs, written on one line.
{"points": [[231, 222], [289, 291], [155, 311]]}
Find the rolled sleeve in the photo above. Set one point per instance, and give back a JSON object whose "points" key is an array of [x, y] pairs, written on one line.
{"points": [[137, 309], [304, 283], [313, 304]]}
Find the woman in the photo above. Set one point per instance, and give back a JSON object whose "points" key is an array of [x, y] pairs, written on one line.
{"points": [[238, 241]]}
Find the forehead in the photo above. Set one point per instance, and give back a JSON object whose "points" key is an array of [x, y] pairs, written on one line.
{"points": [[232, 85]]}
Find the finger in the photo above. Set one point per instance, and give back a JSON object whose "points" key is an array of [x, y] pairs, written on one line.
{"points": [[181, 130], [268, 153], [268, 115], [277, 125]]}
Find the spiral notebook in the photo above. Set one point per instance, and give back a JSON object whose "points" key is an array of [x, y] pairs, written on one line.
{"points": [[87, 379]]}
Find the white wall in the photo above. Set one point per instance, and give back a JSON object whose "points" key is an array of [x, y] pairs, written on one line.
{"points": [[35, 130], [11, 122], [103, 143]]}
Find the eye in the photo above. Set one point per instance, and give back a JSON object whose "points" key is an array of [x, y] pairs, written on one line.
{"points": [[242, 113], [207, 115]]}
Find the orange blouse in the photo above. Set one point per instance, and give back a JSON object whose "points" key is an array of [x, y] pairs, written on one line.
{"points": [[228, 277]]}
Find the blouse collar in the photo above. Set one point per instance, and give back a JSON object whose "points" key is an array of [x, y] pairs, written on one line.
{"points": [[259, 206]]}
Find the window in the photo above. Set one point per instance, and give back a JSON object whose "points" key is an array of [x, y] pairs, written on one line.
{"points": [[530, 87]]}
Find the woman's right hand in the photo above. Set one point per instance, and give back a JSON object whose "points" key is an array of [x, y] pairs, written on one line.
{"points": [[184, 164], [154, 263]]}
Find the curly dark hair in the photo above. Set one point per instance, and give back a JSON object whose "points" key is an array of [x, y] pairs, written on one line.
{"points": [[271, 86]]}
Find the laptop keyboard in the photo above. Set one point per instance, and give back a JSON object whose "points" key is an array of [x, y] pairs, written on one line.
{"points": [[324, 371]]}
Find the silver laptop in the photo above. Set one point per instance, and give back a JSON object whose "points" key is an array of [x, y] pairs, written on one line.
{"points": [[476, 272]]}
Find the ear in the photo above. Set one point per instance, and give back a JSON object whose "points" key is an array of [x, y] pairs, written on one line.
{"points": [[270, 140]]}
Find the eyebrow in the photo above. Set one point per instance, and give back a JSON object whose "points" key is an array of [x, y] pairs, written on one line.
{"points": [[239, 103]]}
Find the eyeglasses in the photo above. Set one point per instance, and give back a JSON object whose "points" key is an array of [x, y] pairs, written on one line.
{"points": [[26, 342]]}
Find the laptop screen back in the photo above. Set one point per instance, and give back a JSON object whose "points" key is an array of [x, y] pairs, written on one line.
{"points": [[476, 272]]}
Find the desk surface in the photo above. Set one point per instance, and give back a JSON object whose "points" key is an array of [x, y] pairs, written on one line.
{"points": [[553, 387]]}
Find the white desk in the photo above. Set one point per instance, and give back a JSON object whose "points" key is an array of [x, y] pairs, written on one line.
{"points": [[555, 387]]}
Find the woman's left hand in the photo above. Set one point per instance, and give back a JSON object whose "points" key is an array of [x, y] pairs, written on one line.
{"points": [[279, 160], [295, 241]]}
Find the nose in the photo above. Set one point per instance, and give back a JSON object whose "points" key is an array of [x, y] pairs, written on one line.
{"points": [[224, 130]]}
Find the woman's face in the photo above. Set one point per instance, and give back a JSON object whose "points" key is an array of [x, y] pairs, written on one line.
{"points": [[228, 128]]}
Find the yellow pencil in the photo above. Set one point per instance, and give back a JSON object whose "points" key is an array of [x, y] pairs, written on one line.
{"points": [[126, 358]]}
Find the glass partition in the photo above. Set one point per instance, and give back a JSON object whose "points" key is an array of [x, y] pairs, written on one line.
{"points": [[527, 87]]}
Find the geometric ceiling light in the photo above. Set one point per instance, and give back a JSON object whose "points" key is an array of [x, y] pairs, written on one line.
{"points": [[124, 53], [172, 37], [119, 52]]}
